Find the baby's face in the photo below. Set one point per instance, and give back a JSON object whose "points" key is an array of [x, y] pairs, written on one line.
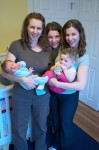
{"points": [[66, 60], [12, 67]]}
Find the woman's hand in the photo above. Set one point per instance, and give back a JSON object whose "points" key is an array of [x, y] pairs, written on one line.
{"points": [[29, 82], [53, 82]]}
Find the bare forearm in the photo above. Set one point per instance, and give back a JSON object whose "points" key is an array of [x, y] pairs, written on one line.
{"points": [[78, 85], [11, 77], [28, 81], [70, 86]]}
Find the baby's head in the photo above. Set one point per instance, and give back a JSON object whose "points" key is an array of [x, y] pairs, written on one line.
{"points": [[68, 57], [9, 66]]}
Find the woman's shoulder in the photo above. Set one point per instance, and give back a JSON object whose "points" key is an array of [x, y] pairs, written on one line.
{"points": [[86, 55], [49, 50], [84, 60], [16, 42], [15, 46]]}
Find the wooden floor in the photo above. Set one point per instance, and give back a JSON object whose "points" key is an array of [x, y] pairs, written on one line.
{"points": [[87, 119]]}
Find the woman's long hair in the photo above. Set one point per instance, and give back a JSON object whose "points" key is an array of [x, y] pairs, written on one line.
{"points": [[54, 26], [43, 41], [78, 26]]}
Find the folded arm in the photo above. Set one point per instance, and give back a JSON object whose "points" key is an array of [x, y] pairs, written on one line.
{"points": [[28, 81], [79, 84]]}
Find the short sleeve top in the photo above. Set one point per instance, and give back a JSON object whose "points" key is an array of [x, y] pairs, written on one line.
{"points": [[39, 61], [81, 61]]}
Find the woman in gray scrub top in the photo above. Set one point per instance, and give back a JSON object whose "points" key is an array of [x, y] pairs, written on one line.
{"points": [[33, 48]]}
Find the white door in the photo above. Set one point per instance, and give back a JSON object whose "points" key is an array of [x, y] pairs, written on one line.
{"points": [[89, 16], [87, 11], [55, 10]]}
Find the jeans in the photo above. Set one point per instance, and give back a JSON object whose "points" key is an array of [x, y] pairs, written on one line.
{"points": [[63, 108]]}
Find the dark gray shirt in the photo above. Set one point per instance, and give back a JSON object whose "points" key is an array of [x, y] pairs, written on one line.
{"points": [[38, 60]]}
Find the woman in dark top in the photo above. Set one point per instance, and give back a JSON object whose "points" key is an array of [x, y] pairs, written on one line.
{"points": [[54, 33], [33, 48]]}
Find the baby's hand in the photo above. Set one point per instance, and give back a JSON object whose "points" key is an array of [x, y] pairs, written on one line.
{"points": [[19, 66], [64, 68], [58, 70], [57, 65], [31, 69]]}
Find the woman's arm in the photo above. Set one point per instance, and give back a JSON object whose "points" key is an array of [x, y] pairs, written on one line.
{"points": [[28, 81], [82, 76]]}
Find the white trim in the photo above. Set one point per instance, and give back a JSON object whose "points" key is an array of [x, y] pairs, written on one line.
{"points": [[30, 6]]}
